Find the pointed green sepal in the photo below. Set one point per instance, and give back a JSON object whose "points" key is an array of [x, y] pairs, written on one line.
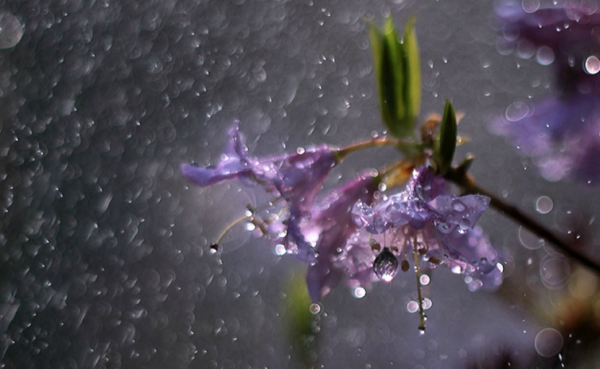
{"points": [[446, 143]]}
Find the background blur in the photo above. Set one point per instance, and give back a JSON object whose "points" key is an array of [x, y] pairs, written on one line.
{"points": [[104, 246]]}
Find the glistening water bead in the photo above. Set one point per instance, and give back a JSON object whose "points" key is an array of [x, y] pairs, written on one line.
{"points": [[385, 265]]}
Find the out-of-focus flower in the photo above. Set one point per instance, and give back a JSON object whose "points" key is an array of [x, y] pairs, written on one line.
{"points": [[561, 133], [297, 177], [426, 218]]}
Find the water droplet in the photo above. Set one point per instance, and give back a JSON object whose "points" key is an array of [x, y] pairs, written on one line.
{"points": [[545, 55], [530, 6], [427, 303], [529, 240], [425, 280], [458, 206], [422, 331], [544, 205], [548, 342], [300, 150], [444, 227], [412, 307], [516, 111], [592, 65], [214, 248], [10, 30], [359, 292], [385, 265], [315, 308], [280, 249], [464, 223]]}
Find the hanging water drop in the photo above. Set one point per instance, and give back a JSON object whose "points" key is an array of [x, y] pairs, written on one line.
{"points": [[385, 265]]}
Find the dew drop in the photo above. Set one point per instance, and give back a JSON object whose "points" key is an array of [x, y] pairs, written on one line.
{"points": [[385, 265], [214, 248]]}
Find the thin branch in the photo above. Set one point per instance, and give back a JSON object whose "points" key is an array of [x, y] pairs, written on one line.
{"points": [[469, 185], [375, 142]]}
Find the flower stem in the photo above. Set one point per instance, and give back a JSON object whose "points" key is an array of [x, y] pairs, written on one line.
{"points": [[468, 184], [375, 142], [418, 274]]}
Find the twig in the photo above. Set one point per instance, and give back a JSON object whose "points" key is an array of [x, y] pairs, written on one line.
{"points": [[470, 186]]}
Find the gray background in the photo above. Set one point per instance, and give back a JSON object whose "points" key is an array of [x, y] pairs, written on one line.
{"points": [[104, 259]]}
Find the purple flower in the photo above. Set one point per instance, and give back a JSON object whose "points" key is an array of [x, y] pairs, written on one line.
{"points": [[442, 227], [297, 177], [327, 231], [560, 133]]}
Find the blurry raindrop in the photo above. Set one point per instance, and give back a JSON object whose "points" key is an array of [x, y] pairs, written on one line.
{"points": [[545, 55], [315, 308], [280, 249], [359, 292], [592, 65], [412, 306], [544, 205], [530, 6], [10, 30], [555, 273], [529, 240], [516, 111], [548, 342]]}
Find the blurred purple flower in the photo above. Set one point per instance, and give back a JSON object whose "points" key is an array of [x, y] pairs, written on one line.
{"points": [[441, 225], [560, 133], [297, 177]]}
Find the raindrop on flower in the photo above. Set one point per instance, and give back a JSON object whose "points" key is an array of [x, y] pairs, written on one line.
{"points": [[385, 265], [459, 206]]}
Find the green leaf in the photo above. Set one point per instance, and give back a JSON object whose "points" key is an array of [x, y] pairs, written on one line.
{"points": [[298, 319], [398, 77], [447, 140], [412, 88]]}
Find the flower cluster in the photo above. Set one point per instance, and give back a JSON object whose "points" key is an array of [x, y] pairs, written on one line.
{"points": [[560, 132], [425, 218], [340, 235]]}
